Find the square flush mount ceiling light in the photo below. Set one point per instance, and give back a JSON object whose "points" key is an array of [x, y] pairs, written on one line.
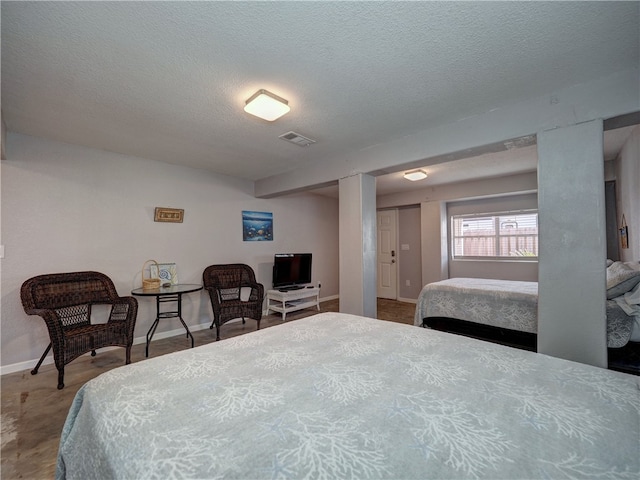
{"points": [[266, 105], [415, 175]]}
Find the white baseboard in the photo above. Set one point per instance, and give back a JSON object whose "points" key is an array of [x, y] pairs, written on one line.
{"points": [[48, 360], [323, 299], [330, 297], [205, 322], [28, 365], [408, 300]]}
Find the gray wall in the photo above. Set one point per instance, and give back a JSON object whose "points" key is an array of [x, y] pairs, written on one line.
{"points": [[409, 256]]}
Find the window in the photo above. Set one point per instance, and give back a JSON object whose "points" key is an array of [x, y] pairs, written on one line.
{"points": [[512, 235]]}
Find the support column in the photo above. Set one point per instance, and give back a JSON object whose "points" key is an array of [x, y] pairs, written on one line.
{"points": [[572, 236], [357, 213]]}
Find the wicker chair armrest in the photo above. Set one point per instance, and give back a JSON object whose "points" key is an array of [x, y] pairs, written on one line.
{"points": [[259, 288], [50, 319], [125, 309], [131, 301], [42, 312], [214, 295]]}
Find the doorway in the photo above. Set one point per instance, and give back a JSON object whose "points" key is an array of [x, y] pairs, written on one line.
{"points": [[387, 232], [611, 220]]}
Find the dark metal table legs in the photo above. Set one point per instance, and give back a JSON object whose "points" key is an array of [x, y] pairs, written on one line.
{"points": [[177, 298]]}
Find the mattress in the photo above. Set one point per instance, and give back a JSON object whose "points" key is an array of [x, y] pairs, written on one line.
{"points": [[342, 396]]}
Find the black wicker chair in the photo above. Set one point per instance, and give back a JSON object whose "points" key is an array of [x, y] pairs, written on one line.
{"points": [[64, 301], [228, 286]]}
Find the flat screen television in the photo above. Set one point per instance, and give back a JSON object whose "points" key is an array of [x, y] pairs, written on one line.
{"points": [[291, 270]]}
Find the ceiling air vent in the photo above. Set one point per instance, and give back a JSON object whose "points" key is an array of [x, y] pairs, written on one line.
{"points": [[296, 138]]}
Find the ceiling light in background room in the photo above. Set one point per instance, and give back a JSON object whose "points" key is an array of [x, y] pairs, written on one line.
{"points": [[415, 175], [266, 105]]}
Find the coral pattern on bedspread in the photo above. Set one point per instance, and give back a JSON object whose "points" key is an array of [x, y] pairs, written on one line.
{"points": [[499, 303], [503, 303], [340, 396], [619, 325]]}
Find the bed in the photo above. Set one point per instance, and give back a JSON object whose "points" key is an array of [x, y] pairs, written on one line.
{"points": [[342, 396], [512, 306], [500, 304]]}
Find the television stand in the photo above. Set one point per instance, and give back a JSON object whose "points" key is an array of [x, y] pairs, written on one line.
{"points": [[292, 300], [292, 287]]}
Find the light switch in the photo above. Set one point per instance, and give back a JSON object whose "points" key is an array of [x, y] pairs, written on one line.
{"points": [[404, 246], [1, 251]]}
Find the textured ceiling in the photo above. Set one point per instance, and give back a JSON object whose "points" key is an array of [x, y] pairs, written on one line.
{"points": [[168, 80]]}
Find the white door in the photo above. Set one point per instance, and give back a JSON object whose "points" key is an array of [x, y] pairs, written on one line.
{"points": [[387, 254]]}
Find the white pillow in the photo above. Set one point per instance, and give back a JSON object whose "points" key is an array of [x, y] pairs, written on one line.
{"points": [[620, 279]]}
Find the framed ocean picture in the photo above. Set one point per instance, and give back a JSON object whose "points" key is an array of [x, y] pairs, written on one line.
{"points": [[257, 226], [166, 272]]}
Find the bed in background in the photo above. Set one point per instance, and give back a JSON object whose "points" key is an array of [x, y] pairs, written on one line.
{"points": [[511, 307], [341, 396]]}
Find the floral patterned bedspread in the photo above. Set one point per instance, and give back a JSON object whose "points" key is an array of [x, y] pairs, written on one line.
{"points": [[340, 396], [504, 304]]}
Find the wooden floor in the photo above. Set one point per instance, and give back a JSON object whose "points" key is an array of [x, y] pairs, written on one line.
{"points": [[34, 410]]}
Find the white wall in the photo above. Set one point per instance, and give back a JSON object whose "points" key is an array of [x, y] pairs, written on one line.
{"points": [[69, 208], [628, 191]]}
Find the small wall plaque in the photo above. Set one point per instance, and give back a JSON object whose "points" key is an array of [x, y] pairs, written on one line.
{"points": [[624, 234], [174, 215]]}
